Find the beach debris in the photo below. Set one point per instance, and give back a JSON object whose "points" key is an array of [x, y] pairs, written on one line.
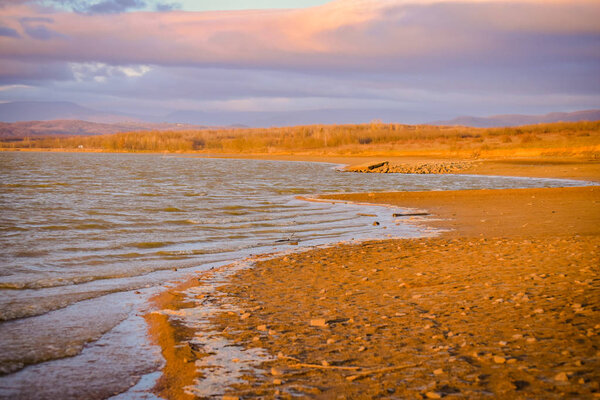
{"points": [[328, 366], [361, 375], [414, 214], [420, 168]]}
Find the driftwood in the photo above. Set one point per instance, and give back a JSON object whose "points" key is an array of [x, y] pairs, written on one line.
{"points": [[378, 371], [326, 366], [410, 214]]}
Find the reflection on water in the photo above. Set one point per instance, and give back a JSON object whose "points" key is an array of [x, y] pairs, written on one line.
{"points": [[86, 237]]}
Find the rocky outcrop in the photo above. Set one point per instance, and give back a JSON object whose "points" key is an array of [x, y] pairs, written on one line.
{"points": [[447, 167]]}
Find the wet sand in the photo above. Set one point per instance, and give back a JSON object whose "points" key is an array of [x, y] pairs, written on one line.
{"points": [[505, 304]]}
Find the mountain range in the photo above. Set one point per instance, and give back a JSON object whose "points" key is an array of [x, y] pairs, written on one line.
{"points": [[32, 119], [61, 127], [519, 119]]}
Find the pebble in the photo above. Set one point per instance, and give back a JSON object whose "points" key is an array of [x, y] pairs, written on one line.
{"points": [[433, 395], [531, 340], [539, 311], [438, 371], [499, 359], [229, 397], [245, 316], [330, 341], [261, 328], [277, 381], [320, 322], [276, 371], [362, 348], [561, 377]]}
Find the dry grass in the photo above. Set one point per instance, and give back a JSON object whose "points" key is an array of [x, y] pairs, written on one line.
{"points": [[581, 139]]}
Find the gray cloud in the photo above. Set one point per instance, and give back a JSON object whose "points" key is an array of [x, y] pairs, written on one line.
{"points": [[167, 6], [35, 27], [9, 32], [113, 6]]}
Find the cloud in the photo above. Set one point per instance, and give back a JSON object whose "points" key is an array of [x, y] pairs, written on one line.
{"points": [[35, 27], [365, 35], [9, 32], [101, 72], [114, 6], [167, 6], [397, 53]]}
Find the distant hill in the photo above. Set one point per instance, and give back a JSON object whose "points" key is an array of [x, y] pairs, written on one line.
{"points": [[518, 119], [15, 130], [60, 110]]}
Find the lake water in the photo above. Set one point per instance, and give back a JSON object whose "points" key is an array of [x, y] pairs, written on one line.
{"points": [[87, 238]]}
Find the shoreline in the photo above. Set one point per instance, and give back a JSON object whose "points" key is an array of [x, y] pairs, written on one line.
{"points": [[525, 166], [337, 316]]}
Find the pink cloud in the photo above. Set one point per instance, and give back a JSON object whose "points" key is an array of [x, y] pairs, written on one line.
{"points": [[344, 34]]}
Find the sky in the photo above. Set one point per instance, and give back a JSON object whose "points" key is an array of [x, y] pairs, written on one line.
{"points": [[407, 61]]}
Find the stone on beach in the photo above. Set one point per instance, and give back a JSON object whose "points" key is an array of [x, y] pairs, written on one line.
{"points": [[319, 322], [561, 377]]}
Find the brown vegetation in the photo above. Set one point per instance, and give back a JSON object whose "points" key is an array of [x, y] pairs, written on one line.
{"points": [[557, 139]]}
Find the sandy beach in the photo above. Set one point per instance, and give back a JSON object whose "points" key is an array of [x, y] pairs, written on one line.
{"points": [[504, 304]]}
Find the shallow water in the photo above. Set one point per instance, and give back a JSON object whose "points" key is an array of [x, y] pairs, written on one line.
{"points": [[87, 237]]}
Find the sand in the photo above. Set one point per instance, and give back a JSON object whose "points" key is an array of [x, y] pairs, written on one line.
{"points": [[505, 304]]}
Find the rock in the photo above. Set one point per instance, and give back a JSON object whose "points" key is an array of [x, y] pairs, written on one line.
{"points": [[320, 322], [433, 395], [561, 377], [499, 359]]}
